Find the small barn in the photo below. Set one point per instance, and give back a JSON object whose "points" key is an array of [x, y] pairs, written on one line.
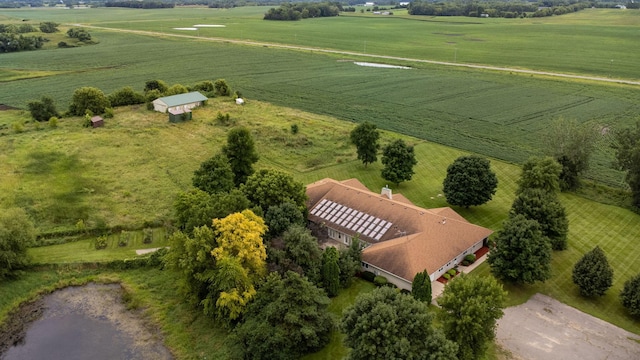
{"points": [[97, 121], [182, 102], [179, 115]]}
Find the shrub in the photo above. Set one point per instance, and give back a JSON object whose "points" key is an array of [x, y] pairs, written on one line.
{"points": [[368, 275], [126, 96], [630, 296], [465, 262], [471, 258], [108, 113], [221, 88], [446, 276], [101, 242], [53, 122], [124, 238], [17, 127], [147, 235], [294, 129], [224, 119], [380, 280], [452, 272]]}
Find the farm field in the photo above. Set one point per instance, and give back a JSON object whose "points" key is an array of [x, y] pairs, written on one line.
{"points": [[497, 114], [593, 41]]}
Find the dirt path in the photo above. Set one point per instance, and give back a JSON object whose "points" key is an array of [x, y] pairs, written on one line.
{"points": [[543, 329], [372, 56]]}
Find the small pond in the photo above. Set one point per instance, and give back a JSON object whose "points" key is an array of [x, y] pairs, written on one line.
{"points": [[86, 322]]}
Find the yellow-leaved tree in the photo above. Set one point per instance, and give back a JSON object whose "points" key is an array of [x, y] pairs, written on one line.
{"points": [[240, 260]]}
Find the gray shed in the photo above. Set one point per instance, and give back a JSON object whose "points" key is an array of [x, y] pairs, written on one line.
{"points": [[179, 115]]}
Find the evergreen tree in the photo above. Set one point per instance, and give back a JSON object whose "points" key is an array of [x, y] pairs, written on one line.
{"points": [[630, 296], [350, 262], [522, 254], [330, 271], [365, 137], [241, 152], [398, 159], [421, 287], [593, 274]]}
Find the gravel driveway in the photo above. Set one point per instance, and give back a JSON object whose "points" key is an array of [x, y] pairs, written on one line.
{"points": [[545, 329]]}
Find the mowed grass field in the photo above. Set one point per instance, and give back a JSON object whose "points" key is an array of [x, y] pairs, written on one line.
{"points": [[130, 171]]}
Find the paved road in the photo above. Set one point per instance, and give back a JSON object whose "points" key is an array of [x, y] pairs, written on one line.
{"points": [[545, 329], [372, 56]]}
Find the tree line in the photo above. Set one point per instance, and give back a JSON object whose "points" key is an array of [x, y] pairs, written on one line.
{"points": [[298, 11], [141, 4], [494, 9], [12, 36]]}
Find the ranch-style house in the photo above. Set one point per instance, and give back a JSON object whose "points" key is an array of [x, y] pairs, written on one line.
{"points": [[400, 238], [179, 103]]}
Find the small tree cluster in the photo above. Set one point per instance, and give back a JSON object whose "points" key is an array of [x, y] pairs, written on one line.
{"points": [[365, 137], [16, 234], [627, 147], [80, 34], [43, 110]]}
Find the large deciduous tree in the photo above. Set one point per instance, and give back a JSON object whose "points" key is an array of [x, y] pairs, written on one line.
{"points": [[16, 234], [365, 137], [196, 208], [281, 217], [398, 159], [43, 110], [522, 254], [469, 181], [630, 296], [627, 147], [222, 264], [571, 144], [302, 249], [421, 287], [385, 324], [214, 175], [540, 173], [241, 152], [287, 319], [592, 273], [546, 209], [269, 187], [88, 98], [472, 305]]}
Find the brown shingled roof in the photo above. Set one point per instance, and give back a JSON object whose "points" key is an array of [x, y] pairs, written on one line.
{"points": [[419, 238]]}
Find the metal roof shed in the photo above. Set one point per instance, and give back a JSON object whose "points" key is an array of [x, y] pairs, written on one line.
{"points": [[183, 102]]}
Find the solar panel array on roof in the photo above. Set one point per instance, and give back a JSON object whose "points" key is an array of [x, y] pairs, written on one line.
{"points": [[352, 219]]}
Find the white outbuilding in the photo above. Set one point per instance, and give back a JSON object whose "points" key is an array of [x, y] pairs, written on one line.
{"points": [[180, 102]]}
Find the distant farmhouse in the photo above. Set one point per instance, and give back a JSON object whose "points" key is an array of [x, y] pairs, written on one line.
{"points": [[401, 238]]}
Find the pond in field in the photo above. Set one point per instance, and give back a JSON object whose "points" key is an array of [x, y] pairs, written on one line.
{"points": [[85, 322]]}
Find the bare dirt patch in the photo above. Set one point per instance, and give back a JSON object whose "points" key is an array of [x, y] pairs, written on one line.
{"points": [[543, 328]]}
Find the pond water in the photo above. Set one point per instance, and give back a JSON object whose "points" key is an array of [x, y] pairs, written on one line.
{"points": [[87, 322]]}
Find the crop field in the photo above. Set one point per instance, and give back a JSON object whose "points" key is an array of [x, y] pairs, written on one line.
{"points": [[503, 115]]}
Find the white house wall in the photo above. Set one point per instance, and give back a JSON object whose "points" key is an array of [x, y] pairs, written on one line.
{"points": [[185, 107], [455, 261], [160, 107], [396, 280]]}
